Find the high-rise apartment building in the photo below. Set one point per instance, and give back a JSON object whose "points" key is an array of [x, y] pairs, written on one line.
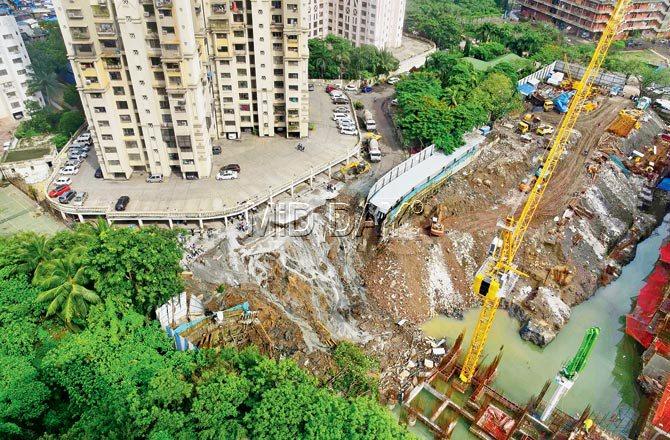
{"points": [[14, 70], [375, 22], [162, 80], [648, 18]]}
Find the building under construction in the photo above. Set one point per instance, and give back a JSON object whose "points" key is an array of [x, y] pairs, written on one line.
{"points": [[588, 18]]}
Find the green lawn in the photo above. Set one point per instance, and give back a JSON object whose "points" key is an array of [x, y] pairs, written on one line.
{"points": [[645, 56], [25, 154], [486, 65]]}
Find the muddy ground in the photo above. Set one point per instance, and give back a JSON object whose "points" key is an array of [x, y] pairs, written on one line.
{"points": [[313, 289]]}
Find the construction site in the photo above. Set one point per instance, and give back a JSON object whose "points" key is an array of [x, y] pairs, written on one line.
{"points": [[554, 214]]}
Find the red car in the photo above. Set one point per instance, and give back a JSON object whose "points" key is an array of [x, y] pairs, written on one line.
{"points": [[59, 190], [330, 88]]}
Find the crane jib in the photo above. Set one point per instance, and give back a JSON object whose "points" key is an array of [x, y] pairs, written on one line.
{"points": [[496, 268]]}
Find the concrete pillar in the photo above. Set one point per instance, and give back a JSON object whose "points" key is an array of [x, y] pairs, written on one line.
{"points": [[109, 221], [292, 188], [81, 218], [62, 214], [225, 221], [140, 222], [200, 223], [311, 179], [170, 223], [330, 172], [246, 216], [271, 199]]}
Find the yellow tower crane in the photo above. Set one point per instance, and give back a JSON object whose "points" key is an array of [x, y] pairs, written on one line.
{"points": [[497, 276]]}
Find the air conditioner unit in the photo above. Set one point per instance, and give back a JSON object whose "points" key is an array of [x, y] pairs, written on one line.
{"points": [[146, 14], [88, 82], [161, 16], [102, 2], [181, 102]]}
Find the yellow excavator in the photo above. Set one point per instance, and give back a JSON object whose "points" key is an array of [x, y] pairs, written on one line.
{"points": [[497, 276], [437, 222]]}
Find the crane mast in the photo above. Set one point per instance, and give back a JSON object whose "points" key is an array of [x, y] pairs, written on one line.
{"points": [[498, 274]]}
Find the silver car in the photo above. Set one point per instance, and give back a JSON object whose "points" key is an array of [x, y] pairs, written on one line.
{"points": [[80, 198]]}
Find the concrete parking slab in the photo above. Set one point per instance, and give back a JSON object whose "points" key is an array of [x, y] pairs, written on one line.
{"points": [[267, 164]]}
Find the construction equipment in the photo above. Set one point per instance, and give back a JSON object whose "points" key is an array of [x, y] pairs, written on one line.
{"points": [[548, 105], [356, 167], [566, 378], [523, 127], [499, 273], [543, 129], [437, 222]]}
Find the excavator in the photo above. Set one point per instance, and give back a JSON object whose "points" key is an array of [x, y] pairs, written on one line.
{"points": [[499, 273], [437, 222]]}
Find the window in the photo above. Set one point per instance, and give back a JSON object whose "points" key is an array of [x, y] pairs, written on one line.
{"points": [[167, 119], [107, 137], [184, 142], [103, 123], [244, 96], [131, 144], [99, 110], [168, 138], [293, 75], [3, 72], [225, 75], [115, 76], [242, 84], [128, 132], [16, 104], [119, 91], [125, 118], [8, 36], [21, 72], [122, 105], [182, 123], [114, 162], [293, 99]]}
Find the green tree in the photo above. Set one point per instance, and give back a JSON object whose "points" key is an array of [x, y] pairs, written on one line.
{"points": [[70, 122], [63, 280], [218, 404], [42, 79], [357, 373], [141, 267], [23, 396], [32, 250], [71, 96]]}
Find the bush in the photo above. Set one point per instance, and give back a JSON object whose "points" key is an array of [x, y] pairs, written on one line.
{"points": [[358, 105], [221, 288], [487, 51], [60, 140], [71, 96], [70, 122]]}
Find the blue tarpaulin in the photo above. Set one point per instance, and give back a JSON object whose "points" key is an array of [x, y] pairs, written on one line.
{"points": [[562, 101], [664, 185], [526, 89]]}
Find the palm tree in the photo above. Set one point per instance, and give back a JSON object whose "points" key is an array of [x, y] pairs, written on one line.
{"points": [[386, 62], [33, 251], [42, 79], [63, 281]]}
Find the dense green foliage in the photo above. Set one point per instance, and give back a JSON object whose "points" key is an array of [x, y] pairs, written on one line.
{"points": [[62, 124], [48, 59], [115, 374], [334, 57], [449, 98]]}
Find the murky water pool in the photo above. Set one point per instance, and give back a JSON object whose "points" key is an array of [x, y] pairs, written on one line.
{"points": [[608, 382]]}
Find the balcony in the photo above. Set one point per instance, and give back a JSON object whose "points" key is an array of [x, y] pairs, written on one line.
{"points": [[110, 50], [171, 51], [219, 9], [81, 36], [164, 4], [84, 51], [219, 24], [105, 29]]}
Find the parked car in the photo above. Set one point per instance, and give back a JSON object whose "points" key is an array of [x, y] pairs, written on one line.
{"points": [[98, 173], [231, 167], [190, 175], [66, 197], [341, 109], [331, 87], [348, 131], [85, 137], [227, 175], [6, 145], [80, 198], [340, 116], [336, 94], [345, 122], [155, 178], [392, 80], [351, 87], [216, 149], [63, 180], [347, 126], [122, 203], [310, 87], [69, 170], [341, 100], [59, 190], [73, 163], [394, 102]]}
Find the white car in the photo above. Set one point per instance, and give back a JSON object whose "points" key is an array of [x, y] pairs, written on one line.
{"points": [[6, 145], [349, 131], [351, 88], [346, 123], [336, 93], [80, 198], [63, 181], [84, 137], [226, 175], [341, 109], [392, 80], [69, 170], [340, 116]]}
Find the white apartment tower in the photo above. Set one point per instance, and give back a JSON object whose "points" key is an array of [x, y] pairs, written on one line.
{"points": [[375, 22], [162, 80], [14, 70]]}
